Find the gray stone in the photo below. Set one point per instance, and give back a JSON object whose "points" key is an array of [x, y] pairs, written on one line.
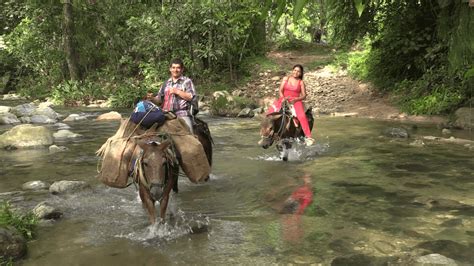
{"points": [[26, 109], [35, 185], [246, 112], [41, 119], [46, 111], [12, 244], [64, 186], [464, 117], [65, 134], [25, 119], [435, 259], [8, 118], [24, 136], [45, 211]]}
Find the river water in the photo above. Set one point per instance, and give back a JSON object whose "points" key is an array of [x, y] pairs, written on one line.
{"points": [[374, 200]]}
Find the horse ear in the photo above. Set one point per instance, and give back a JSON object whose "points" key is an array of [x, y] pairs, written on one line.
{"points": [[275, 117]]}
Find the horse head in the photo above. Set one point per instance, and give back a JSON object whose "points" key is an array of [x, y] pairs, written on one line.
{"points": [[156, 172], [269, 128]]}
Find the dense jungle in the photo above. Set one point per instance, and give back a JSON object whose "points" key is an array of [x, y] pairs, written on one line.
{"points": [[389, 180]]}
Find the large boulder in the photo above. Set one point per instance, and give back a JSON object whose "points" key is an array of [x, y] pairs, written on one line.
{"points": [[27, 135], [464, 117], [12, 244]]}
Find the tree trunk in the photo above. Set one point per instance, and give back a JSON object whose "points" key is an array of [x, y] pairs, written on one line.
{"points": [[68, 41]]}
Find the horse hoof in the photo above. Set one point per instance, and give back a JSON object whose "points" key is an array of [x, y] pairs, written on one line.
{"points": [[285, 159]]}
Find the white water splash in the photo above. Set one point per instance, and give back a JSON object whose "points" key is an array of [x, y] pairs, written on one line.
{"points": [[298, 152]]}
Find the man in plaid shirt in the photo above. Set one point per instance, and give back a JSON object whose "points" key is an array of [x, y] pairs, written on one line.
{"points": [[177, 92]]}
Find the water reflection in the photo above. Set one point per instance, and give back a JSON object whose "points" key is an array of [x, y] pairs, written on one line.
{"points": [[293, 209]]}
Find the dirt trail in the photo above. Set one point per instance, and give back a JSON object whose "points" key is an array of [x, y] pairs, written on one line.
{"points": [[329, 92]]}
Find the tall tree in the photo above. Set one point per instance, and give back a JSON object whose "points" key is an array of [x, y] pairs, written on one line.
{"points": [[68, 41]]}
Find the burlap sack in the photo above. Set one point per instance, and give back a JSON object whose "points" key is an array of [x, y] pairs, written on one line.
{"points": [[193, 158], [116, 155]]}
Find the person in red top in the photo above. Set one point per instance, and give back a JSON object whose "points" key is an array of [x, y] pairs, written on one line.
{"points": [[292, 89]]}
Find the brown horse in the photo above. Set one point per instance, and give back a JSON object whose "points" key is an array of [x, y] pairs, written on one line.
{"points": [[282, 127], [157, 167]]}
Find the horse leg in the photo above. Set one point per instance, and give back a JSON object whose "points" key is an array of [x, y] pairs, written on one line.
{"points": [[164, 200], [285, 149], [148, 203]]}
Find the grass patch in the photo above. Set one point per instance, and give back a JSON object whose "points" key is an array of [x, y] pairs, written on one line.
{"points": [[24, 223]]}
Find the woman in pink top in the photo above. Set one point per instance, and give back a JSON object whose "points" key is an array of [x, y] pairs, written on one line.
{"points": [[292, 88]]}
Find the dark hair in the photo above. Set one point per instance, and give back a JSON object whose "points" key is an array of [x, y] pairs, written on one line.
{"points": [[302, 70], [177, 61]]}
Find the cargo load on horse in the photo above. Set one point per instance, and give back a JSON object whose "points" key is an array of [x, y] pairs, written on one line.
{"points": [[152, 158], [117, 152]]}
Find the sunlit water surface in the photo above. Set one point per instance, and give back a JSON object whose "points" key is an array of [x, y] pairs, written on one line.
{"points": [[388, 199]]}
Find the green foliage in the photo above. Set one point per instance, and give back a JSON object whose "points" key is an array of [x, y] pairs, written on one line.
{"points": [[71, 92], [126, 94], [220, 106], [231, 105], [25, 224], [436, 92]]}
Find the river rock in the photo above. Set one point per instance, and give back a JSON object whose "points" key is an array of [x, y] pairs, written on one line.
{"points": [[449, 249], [396, 132], [24, 136], [55, 148], [45, 211], [5, 109], [74, 117], [435, 259], [464, 117], [41, 119], [65, 186], [12, 244], [246, 112], [65, 134], [110, 116], [62, 126], [35, 185], [8, 118], [46, 111], [362, 259], [26, 109]]}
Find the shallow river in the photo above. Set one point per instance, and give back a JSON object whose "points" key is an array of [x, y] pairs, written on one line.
{"points": [[374, 199]]}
